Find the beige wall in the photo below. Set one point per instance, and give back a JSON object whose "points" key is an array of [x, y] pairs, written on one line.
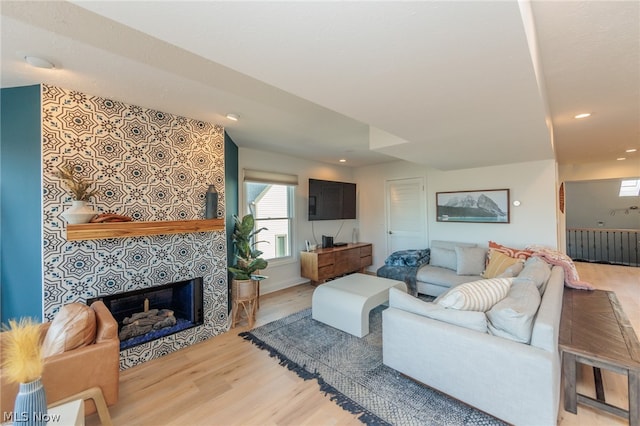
{"points": [[532, 183]]}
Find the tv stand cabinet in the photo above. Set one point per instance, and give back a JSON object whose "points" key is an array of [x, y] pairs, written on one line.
{"points": [[325, 263]]}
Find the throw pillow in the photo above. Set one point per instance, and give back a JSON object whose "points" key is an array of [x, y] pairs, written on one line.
{"points": [[498, 263], [443, 258], [512, 317], [470, 260], [478, 295], [535, 271], [511, 252], [512, 271], [468, 319], [73, 327]]}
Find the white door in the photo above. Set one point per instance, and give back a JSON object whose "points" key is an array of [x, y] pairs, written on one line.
{"points": [[406, 214]]}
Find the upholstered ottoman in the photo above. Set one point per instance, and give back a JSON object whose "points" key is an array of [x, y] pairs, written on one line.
{"points": [[345, 303]]}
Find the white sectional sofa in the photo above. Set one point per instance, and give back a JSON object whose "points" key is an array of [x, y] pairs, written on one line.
{"points": [[514, 381]]}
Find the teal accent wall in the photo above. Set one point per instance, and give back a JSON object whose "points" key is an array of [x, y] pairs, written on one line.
{"points": [[20, 203], [231, 196]]}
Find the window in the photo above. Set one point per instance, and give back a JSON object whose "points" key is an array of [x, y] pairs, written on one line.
{"points": [[271, 206], [630, 188]]}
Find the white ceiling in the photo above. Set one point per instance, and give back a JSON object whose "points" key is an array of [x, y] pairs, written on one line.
{"points": [[450, 84]]}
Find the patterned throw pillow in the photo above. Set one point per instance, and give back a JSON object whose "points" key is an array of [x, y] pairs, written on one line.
{"points": [[478, 295], [498, 263], [511, 252]]}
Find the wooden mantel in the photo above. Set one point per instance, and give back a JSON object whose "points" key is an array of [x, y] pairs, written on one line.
{"points": [[99, 231]]}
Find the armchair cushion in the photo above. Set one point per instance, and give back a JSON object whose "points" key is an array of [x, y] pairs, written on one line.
{"points": [[73, 327]]}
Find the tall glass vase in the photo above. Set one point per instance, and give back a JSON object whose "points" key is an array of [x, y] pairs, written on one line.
{"points": [[31, 405]]}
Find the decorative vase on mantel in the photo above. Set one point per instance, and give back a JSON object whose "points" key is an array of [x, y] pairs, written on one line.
{"points": [[79, 212], [30, 408]]}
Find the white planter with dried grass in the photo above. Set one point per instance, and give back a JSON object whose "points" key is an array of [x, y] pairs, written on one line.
{"points": [[22, 363]]}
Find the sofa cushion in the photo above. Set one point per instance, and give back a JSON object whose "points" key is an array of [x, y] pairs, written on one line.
{"points": [[450, 245], [470, 260], [511, 252], [443, 258], [478, 295], [498, 263], [73, 327], [512, 317], [442, 276], [512, 271], [535, 271], [469, 319]]}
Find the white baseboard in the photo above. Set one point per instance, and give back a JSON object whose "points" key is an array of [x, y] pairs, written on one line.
{"points": [[276, 286]]}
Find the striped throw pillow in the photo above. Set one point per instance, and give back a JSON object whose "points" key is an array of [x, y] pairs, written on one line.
{"points": [[476, 295]]}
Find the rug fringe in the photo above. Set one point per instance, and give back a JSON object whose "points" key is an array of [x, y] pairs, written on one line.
{"points": [[338, 397]]}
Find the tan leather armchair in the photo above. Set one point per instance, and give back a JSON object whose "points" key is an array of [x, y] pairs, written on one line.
{"points": [[76, 371]]}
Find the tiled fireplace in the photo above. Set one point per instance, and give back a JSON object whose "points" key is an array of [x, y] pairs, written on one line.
{"points": [[152, 166]]}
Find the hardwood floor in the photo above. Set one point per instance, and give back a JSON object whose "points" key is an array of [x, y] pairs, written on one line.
{"points": [[228, 381]]}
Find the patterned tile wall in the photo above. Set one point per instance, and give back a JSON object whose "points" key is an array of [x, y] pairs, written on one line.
{"points": [[149, 165]]}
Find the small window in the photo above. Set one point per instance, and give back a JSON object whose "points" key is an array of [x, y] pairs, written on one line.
{"points": [[630, 188], [281, 245]]}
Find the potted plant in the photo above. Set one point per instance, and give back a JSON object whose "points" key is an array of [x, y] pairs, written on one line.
{"points": [[244, 289], [79, 212], [247, 258]]}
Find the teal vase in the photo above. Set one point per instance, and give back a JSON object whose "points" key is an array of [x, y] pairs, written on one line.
{"points": [[31, 405]]}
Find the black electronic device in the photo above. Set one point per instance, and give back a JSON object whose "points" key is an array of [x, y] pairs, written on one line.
{"points": [[327, 242], [331, 200], [340, 244]]}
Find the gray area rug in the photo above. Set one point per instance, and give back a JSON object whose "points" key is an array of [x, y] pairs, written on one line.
{"points": [[350, 369]]}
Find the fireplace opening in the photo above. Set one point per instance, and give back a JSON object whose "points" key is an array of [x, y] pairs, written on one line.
{"points": [[152, 313]]}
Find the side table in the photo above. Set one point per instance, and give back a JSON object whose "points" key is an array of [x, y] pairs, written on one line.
{"points": [[595, 331], [70, 414]]}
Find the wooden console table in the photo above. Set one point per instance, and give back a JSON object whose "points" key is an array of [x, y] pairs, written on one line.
{"points": [[325, 263], [595, 331]]}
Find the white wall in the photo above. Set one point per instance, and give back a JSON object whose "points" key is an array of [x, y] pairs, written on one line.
{"points": [[371, 215], [589, 205], [629, 168], [532, 183], [283, 274]]}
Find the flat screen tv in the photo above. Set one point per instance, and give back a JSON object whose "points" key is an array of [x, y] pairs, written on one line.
{"points": [[329, 200]]}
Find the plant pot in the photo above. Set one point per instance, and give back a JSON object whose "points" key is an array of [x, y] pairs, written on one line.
{"points": [[244, 297], [31, 405], [79, 212]]}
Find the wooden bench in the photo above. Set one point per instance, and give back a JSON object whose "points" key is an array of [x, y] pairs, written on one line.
{"points": [[595, 331]]}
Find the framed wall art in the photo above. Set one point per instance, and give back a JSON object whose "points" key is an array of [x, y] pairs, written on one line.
{"points": [[485, 206]]}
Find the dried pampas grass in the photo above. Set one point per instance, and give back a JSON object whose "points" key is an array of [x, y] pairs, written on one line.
{"points": [[22, 351]]}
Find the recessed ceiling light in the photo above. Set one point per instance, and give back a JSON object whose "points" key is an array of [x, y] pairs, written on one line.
{"points": [[233, 117], [621, 158], [343, 160], [631, 150], [37, 62], [583, 115]]}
